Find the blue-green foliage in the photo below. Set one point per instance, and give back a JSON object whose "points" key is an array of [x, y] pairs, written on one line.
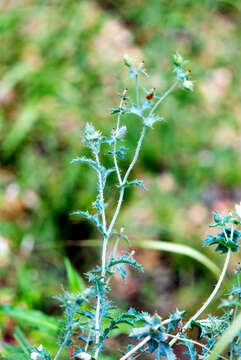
{"points": [[228, 238], [90, 316]]}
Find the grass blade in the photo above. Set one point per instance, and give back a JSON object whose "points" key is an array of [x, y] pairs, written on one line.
{"points": [[76, 284]]}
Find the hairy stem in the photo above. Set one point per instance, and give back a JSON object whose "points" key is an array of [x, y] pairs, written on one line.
{"points": [[209, 300], [122, 190], [101, 194], [66, 338]]}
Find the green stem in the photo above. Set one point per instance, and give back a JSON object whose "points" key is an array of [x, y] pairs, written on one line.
{"points": [[122, 190], [163, 97], [63, 344], [209, 300], [105, 242]]}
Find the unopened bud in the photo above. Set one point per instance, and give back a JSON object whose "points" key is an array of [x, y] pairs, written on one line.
{"points": [[177, 59], [128, 61]]}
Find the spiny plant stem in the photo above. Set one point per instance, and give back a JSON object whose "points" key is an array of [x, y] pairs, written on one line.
{"points": [[63, 345], [163, 97], [101, 193], [124, 181], [209, 300], [108, 233]]}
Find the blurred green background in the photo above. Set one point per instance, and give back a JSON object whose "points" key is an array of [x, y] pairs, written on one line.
{"points": [[61, 66]]}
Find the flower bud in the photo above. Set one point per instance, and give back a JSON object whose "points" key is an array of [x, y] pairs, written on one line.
{"points": [[217, 218], [177, 59], [128, 61], [188, 85]]}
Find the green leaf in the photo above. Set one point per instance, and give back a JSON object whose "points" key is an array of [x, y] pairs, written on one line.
{"points": [[135, 182], [94, 218], [122, 272], [90, 162], [126, 259], [34, 318], [151, 120], [137, 110], [226, 338], [115, 111], [76, 284], [119, 134], [23, 342], [224, 240]]}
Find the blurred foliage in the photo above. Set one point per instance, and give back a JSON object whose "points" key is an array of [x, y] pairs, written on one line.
{"points": [[60, 66]]}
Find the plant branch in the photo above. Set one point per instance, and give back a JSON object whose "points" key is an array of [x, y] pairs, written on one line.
{"points": [[101, 193], [105, 242], [122, 190], [63, 344], [209, 300], [136, 154], [163, 97]]}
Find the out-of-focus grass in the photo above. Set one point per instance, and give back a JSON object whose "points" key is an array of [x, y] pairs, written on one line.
{"points": [[60, 66]]}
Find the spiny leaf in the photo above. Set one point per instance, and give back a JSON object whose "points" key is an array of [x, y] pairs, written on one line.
{"points": [[151, 120], [126, 259], [120, 133], [90, 162], [122, 272], [94, 218], [135, 182]]}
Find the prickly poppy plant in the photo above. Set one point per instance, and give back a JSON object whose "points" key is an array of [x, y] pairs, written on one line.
{"points": [[90, 317]]}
